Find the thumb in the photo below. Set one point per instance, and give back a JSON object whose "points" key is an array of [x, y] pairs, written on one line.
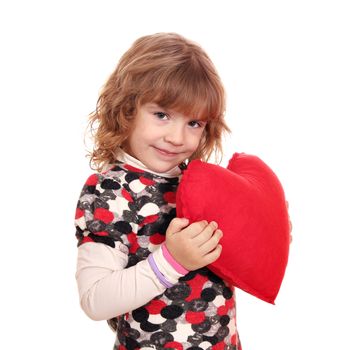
{"points": [[177, 225]]}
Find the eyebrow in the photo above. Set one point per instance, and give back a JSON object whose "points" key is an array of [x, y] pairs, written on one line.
{"points": [[155, 106]]}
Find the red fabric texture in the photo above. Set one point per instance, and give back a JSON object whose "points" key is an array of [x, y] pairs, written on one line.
{"points": [[247, 201]]}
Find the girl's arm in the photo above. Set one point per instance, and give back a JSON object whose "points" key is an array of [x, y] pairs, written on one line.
{"points": [[107, 289]]}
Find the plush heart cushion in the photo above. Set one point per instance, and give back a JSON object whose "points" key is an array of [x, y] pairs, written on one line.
{"points": [[248, 203]]}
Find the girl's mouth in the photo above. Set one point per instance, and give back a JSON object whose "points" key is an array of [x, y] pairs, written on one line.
{"points": [[165, 152]]}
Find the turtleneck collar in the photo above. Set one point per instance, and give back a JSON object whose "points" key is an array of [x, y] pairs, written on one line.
{"points": [[128, 159]]}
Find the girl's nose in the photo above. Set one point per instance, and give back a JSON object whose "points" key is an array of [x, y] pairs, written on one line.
{"points": [[175, 135]]}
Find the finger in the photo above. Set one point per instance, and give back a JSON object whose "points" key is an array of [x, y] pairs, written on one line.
{"points": [[213, 255], [177, 225], [212, 243], [196, 228], [206, 234]]}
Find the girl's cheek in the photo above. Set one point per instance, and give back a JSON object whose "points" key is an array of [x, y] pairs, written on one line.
{"points": [[194, 137], [197, 142]]}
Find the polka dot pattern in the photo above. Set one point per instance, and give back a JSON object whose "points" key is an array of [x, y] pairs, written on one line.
{"points": [[134, 207]]}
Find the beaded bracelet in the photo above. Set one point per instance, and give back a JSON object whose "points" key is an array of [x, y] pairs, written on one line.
{"points": [[158, 273]]}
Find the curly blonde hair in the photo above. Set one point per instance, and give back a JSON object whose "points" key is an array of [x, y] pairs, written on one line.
{"points": [[166, 69]]}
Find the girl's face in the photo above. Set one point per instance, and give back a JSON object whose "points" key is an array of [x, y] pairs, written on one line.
{"points": [[162, 139]]}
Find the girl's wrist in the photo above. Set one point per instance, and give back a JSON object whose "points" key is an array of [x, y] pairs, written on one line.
{"points": [[163, 269], [172, 261], [160, 276]]}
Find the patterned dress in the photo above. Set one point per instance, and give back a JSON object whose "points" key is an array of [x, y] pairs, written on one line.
{"points": [[135, 207]]}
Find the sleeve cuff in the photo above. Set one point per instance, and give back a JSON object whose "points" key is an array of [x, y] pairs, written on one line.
{"points": [[165, 268]]}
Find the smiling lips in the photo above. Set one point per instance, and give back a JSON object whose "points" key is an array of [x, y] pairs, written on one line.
{"points": [[166, 153]]}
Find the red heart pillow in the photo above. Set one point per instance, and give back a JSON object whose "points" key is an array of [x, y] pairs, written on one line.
{"points": [[247, 201]]}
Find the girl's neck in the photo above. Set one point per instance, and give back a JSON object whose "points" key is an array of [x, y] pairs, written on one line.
{"points": [[128, 159]]}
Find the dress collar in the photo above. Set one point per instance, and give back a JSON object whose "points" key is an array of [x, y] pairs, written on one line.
{"points": [[128, 159]]}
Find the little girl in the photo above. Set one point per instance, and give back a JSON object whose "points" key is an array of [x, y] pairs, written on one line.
{"points": [[138, 265]]}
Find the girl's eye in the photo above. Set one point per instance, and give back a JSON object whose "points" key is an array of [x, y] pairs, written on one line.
{"points": [[161, 115], [195, 124]]}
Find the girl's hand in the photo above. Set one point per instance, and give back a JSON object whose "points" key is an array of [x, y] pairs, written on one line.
{"points": [[193, 246]]}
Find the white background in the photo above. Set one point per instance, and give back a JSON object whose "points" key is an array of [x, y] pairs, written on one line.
{"points": [[288, 70]]}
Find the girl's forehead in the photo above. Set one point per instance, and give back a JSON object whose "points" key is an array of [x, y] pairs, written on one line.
{"points": [[151, 105]]}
